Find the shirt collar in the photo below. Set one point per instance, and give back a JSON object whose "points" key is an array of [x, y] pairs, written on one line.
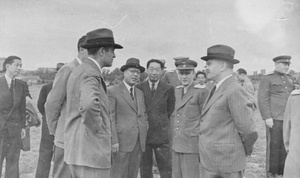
{"points": [[8, 79], [155, 84], [96, 64], [128, 86], [220, 82], [78, 60]]}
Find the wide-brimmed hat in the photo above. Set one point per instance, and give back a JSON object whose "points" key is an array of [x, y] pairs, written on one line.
{"points": [[100, 38], [132, 63], [221, 52]]}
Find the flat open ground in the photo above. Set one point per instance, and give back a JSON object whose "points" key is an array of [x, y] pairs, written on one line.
{"points": [[255, 164]]}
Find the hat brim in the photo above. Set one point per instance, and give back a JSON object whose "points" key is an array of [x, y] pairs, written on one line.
{"points": [[87, 46], [124, 67], [234, 61]]}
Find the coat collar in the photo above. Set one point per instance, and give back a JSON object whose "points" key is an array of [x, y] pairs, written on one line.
{"points": [[218, 93], [187, 96], [126, 95]]}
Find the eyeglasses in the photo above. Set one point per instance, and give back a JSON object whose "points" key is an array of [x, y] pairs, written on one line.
{"points": [[134, 71]]}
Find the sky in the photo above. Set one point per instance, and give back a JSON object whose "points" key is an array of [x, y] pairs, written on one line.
{"points": [[44, 32]]}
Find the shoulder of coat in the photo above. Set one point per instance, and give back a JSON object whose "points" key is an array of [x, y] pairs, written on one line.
{"points": [[295, 92]]}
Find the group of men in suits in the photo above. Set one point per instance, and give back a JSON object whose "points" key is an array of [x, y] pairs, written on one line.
{"points": [[100, 132]]}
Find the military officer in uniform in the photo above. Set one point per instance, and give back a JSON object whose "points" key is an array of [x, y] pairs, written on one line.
{"points": [[190, 98], [171, 78], [273, 93]]}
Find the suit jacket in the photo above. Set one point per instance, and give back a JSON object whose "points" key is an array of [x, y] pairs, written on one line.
{"points": [[227, 129], [273, 92], [187, 118], [159, 109], [12, 109], [87, 125], [43, 97], [56, 103], [129, 118], [291, 126]]}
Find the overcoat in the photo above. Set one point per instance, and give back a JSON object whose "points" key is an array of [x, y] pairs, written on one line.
{"points": [[87, 127], [227, 129], [291, 127]]}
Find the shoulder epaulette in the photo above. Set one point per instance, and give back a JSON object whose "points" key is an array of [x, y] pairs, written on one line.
{"points": [[199, 86], [295, 92]]}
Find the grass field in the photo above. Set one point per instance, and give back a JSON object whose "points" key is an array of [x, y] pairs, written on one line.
{"points": [[255, 163]]}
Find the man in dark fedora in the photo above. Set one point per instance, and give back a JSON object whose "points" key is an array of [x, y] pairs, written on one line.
{"points": [[227, 128], [55, 108], [13, 94], [129, 122], [160, 103], [87, 133], [273, 93]]}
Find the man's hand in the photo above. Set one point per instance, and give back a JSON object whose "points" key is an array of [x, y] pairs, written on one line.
{"points": [[23, 133], [115, 148], [269, 122]]}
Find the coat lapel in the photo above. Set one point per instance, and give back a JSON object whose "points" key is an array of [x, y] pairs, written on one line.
{"points": [[98, 70], [186, 97], [218, 93], [126, 95], [160, 91]]}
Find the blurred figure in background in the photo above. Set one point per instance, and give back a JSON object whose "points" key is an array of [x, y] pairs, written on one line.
{"points": [[201, 79], [247, 85], [46, 144]]}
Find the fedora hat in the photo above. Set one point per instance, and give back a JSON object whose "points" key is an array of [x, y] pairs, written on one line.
{"points": [[132, 63], [221, 52], [100, 38]]}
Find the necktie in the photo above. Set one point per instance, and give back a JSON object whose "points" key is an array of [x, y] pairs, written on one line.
{"points": [[11, 89], [212, 92], [131, 93], [153, 87]]}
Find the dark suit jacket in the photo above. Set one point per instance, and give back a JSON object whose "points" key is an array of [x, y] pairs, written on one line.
{"points": [[88, 121], [43, 97], [12, 111], [159, 109], [129, 118], [227, 129]]}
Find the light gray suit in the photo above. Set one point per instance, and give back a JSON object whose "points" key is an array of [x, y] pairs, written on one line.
{"points": [[129, 129], [291, 126], [227, 130], [55, 108], [87, 126]]}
